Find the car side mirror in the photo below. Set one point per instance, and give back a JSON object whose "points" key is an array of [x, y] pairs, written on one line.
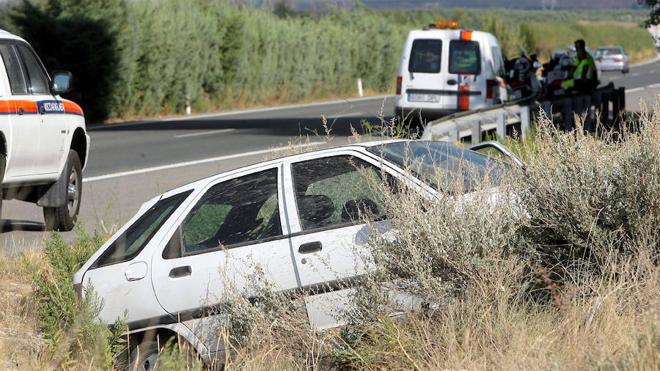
{"points": [[61, 82]]}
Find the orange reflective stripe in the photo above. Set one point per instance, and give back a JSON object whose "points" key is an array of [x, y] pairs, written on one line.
{"points": [[466, 35], [463, 97], [12, 106], [71, 107], [7, 106]]}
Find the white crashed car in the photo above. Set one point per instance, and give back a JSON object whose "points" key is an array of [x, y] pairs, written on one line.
{"points": [[294, 222]]}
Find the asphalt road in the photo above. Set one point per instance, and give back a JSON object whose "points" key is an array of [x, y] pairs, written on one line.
{"points": [[133, 162]]}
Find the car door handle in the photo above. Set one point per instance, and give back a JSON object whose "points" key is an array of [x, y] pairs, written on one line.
{"points": [[310, 247], [452, 82], [179, 272]]}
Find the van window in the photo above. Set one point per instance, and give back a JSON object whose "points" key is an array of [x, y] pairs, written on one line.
{"points": [[425, 56], [464, 57]]}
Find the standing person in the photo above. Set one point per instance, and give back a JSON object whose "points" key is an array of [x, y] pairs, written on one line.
{"points": [[584, 78]]}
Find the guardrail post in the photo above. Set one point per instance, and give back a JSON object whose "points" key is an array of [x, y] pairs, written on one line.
{"points": [[587, 125], [567, 113], [454, 133], [475, 131], [616, 106], [501, 125], [524, 121], [604, 114]]}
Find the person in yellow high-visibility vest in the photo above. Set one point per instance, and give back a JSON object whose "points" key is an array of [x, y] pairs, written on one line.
{"points": [[584, 78]]}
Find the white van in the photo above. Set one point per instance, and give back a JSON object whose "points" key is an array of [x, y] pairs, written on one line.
{"points": [[444, 71]]}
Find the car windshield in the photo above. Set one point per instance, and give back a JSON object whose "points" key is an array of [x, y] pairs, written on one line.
{"points": [[443, 166]]}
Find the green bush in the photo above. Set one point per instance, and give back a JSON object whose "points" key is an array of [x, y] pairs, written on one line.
{"points": [[152, 57], [71, 327]]}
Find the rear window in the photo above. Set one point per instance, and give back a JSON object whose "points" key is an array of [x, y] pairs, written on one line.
{"points": [[425, 56], [464, 57], [135, 238], [609, 51]]}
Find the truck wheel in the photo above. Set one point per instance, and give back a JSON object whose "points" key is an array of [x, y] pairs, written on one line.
{"points": [[63, 218]]}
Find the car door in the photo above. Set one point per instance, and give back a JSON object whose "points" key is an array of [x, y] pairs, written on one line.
{"points": [[21, 110], [234, 241], [333, 198], [120, 274], [52, 131]]}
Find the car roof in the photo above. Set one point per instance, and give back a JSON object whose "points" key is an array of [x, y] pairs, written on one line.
{"points": [[261, 164], [8, 35]]}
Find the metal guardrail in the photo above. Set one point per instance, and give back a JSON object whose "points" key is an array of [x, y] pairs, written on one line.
{"points": [[604, 106]]}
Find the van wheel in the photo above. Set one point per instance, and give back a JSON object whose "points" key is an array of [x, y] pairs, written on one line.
{"points": [[64, 217]]}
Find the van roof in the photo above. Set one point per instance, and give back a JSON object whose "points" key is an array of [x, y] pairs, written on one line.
{"points": [[438, 32]]}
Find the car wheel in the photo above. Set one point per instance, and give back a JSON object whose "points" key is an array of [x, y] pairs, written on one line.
{"points": [[64, 217], [625, 70], [145, 357]]}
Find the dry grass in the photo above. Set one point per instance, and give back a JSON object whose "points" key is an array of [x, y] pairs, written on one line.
{"points": [[563, 275], [21, 343]]}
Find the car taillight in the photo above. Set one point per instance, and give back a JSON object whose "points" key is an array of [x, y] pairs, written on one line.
{"points": [[399, 81], [490, 88]]}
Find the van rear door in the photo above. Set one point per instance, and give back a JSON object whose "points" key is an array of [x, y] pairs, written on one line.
{"points": [[464, 69], [425, 85]]}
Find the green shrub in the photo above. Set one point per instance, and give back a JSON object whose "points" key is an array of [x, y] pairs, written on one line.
{"points": [[71, 327], [153, 57]]}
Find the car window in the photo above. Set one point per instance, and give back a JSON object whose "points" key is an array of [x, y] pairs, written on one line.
{"points": [[425, 56], [234, 212], [464, 57], [129, 244], [337, 190], [14, 68], [36, 74], [442, 165]]}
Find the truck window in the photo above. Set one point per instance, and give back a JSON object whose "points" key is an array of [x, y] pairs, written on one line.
{"points": [[37, 75], [14, 69], [425, 56], [464, 57]]}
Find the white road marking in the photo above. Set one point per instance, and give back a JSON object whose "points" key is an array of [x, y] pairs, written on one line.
{"points": [[634, 74], [204, 133], [635, 90], [651, 71], [191, 163], [349, 114], [653, 86]]}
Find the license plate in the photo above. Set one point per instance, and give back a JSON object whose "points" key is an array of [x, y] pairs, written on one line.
{"points": [[426, 98]]}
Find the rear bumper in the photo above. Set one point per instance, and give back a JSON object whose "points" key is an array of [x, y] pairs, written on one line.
{"points": [[612, 66], [427, 114]]}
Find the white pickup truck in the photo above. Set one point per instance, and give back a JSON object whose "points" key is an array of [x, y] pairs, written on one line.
{"points": [[43, 142]]}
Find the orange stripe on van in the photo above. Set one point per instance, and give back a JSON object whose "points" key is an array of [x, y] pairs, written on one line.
{"points": [[464, 97], [466, 35]]}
